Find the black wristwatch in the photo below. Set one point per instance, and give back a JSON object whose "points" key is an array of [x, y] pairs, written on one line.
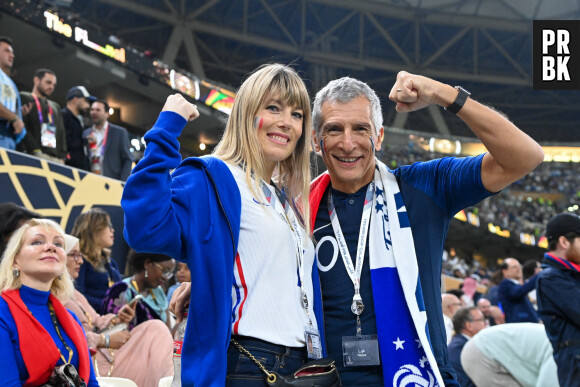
{"points": [[456, 106]]}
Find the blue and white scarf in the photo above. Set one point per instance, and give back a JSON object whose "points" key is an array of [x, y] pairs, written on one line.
{"points": [[406, 351]]}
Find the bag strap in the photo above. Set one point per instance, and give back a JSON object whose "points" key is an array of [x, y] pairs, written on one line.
{"points": [[270, 376]]}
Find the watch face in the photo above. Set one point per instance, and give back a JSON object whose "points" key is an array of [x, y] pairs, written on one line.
{"points": [[462, 89]]}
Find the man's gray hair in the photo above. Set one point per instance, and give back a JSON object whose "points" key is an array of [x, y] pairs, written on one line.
{"points": [[344, 90]]}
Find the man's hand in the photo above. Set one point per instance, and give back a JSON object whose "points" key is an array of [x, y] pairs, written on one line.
{"points": [[18, 125], [413, 92], [178, 104], [26, 108], [180, 300], [117, 339]]}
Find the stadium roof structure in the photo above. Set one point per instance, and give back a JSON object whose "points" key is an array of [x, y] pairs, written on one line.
{"points": [[485, 46]]}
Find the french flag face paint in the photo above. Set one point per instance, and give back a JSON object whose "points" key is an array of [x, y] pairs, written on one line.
{"points": [[258, 122], [322, 147], [372, 144]]}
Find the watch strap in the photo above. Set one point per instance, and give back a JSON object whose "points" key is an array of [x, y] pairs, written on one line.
{"points": [[456, 106]]}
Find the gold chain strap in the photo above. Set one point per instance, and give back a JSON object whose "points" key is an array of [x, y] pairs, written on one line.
{"points": [[270, 375]]}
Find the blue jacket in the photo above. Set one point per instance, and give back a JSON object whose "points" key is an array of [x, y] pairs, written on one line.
{"points": [[94, 284], [454, 348], [558, 295], [192, 215], [514, 301]]}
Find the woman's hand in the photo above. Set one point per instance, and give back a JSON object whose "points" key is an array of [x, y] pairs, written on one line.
{"points": [[127, 313], [117, 339], [178, 104]]}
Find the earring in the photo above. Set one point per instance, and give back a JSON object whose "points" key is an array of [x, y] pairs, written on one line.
{"points": [[15, 273], [146, 273], [60, 276]]}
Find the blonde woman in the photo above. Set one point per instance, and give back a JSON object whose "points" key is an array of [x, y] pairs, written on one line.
{"points": [[99, 272], [240, 220], [36, 332]]}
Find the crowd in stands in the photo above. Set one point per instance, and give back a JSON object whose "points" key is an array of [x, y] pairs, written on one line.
{"points": [[124, 313], [521, 206]]}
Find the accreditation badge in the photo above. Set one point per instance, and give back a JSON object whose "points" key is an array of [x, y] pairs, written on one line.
{"points": [[360, 350], [313, 343], [48, 135]]}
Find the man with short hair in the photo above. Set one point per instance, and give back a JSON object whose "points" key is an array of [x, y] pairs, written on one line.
{"points": [[389, 294], [77, 105], [46, 137], [449, 305], [109, 147], [558, 293], [513, 293], [12, 129], [492, 313], [466, 323]]}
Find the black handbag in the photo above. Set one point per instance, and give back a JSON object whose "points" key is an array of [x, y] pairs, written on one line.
{"points": [[65, 376], [315, 373]]}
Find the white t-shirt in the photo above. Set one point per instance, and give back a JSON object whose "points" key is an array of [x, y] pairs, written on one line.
{"points": [[266, 298]]}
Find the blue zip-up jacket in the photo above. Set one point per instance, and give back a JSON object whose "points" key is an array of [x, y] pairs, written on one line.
{"points": [[192, 215]]}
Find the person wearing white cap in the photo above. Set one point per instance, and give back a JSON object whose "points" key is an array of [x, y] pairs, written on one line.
{"points": [[558, 293], [78, 102]]}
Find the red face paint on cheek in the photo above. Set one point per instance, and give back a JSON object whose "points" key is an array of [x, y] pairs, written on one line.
{"points": [[258, 122]]}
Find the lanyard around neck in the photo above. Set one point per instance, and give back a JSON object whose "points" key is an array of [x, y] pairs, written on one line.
{"points": [[295, 230], [39, 109], [55, 323], [357, 306]]}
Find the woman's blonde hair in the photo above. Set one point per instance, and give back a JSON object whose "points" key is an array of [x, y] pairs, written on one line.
{"points": [[87, 227], [240, 143], [62, 287]]}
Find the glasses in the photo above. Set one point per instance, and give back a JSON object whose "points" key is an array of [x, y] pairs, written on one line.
{"points": [[477, 319], [75, 256], [165, 273]]}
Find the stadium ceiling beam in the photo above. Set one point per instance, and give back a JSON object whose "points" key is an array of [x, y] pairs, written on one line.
{"points": [[145, 10], [429, 15], [180, 34], [339, 59]]}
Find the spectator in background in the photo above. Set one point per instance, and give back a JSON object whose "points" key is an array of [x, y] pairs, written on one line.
{"points": [[559, 295], [513, 293], [450, 304], [77, 104], [493, 289], [36, 332], [150, 271], [109, 147], [529, 269], [492, 313], [12, 129], [466, 323], [143, 355], [46, 137], [99, 272], [181, 275], [510, 355], [12, 216]]}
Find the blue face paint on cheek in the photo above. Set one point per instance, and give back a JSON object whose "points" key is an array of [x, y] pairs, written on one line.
{"points": [[372, 144], [322, 147]]}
